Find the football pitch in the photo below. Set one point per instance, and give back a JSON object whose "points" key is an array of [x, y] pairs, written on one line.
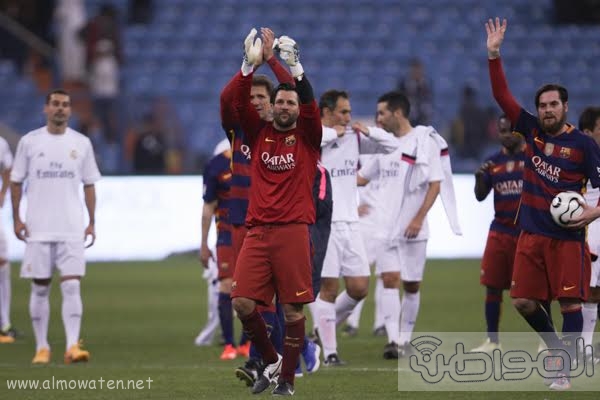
{"points": [[140, 320]]}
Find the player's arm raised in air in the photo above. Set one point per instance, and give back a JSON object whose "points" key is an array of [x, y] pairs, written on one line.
{"points": [[375, 140], [495, 36]]}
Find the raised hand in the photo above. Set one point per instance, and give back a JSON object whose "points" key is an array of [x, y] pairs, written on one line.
{"points": [[495, 36], [268, 40], [253, 53], [484, 167]]}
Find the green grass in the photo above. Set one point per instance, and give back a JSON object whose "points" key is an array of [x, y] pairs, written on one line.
{"points": [[140, 320]]}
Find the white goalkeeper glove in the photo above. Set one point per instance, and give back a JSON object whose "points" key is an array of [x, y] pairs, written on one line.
{"points": [[287, 49], [252, 53]]}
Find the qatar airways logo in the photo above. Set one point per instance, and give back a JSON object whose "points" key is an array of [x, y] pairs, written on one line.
{"points": [[545, 169], [282, 162], [510, 187], [245, 149]]}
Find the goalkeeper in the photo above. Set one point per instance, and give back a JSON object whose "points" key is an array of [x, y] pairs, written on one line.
{"points": [[275, 255]]}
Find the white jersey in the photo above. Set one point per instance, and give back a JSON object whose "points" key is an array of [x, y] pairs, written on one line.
{"points": [[405, 175], [55, 166], [368, 196], [591, 195], [6, 158], [340, 156]]}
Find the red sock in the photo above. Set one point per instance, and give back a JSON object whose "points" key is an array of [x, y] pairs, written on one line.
{"points": [[256, 331], [292, 346]]}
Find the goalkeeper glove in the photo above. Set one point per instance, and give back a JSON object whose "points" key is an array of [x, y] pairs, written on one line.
{"points": [[289, 53], [252, 53]]}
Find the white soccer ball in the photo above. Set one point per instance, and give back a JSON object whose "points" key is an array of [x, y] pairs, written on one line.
{"points": [[565, 206]]}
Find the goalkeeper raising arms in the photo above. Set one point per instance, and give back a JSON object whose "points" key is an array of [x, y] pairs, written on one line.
{"points": [[275, 256]]}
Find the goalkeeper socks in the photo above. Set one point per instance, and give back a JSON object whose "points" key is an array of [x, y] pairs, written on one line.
{"points": [[353, 319], [344, 304], [493, 305], [226, 317], [71, 310], [292, 346], [274, 329], [5, 296], [256, 330], [410, 309], [39, 309]]}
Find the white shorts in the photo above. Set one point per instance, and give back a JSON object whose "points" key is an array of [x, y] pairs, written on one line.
{"points": [[346, 255], [408, 258], [593, 240], [371, 243], [3, 245], [41, 258]]}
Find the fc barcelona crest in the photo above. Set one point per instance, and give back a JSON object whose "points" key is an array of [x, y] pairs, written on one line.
{"points": [[565, 152], [290, 140], [549, 149]]}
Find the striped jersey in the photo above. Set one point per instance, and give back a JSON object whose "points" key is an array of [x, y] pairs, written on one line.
{"points": [[505, 177], [217, 182], [554, 164]]}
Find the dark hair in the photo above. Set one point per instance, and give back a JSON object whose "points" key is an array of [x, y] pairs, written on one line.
{"points": [[330, 98], [264, 81], [562, 92], [55, 91], [396, 100], [504, 116], [588, 118], [282, 86]]}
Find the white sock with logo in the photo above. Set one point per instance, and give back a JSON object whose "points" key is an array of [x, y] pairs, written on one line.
{"points": [[390, 299], [326, 325], [5, 296], [344, 304], [379, 320], [590, 316], [71, 310], [353, 319], [39, 310], [410, 310]]}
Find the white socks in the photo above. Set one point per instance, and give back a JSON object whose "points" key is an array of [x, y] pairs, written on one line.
{"points": [[5, 296], [344, 304], [353, 319], [326, 324], [39, 310], [390, 299], [71, 310], [379, 321], [410, 310], [590, 315]]}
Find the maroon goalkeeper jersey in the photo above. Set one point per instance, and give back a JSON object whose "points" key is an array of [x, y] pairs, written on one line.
{"points": [[283, 164]]}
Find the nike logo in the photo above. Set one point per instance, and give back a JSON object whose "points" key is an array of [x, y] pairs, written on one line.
{"points": [[269, 140], [565, 288], [298, 294]]}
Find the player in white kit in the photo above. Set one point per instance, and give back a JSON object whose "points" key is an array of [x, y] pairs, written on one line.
{"points": [[346, 255], [7, 332], [589, 123], [410, 183], [55, 161]]}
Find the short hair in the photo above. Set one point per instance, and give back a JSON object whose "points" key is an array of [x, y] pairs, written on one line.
{"points": [[330, 98], [396, 100], [56, 91], [282, 86], [264, 81], [588, 118], [562, 92]]}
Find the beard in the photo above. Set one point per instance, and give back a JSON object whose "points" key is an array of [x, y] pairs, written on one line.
{"points": [[553, 127], [284, 123]]}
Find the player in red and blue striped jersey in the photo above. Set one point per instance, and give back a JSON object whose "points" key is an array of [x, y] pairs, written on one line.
{"points": [[217, 181], [551, 262], [502, 173]]}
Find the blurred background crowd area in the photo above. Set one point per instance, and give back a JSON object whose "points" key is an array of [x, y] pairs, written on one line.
{"points": [[145, 75]]}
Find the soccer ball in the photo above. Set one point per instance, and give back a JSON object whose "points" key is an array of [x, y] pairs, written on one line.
{"points": [[565, 206]]}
